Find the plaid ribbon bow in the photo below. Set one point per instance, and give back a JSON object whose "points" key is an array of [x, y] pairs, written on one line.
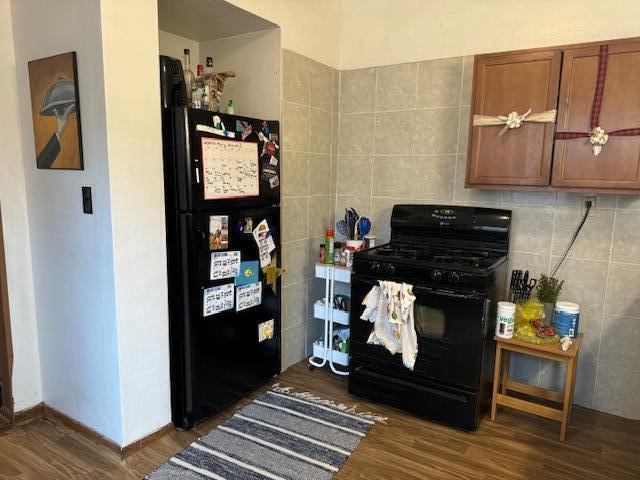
{"points": [[597, 136]]}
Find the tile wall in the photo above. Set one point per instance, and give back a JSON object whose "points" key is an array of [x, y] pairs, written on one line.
{"points": [[370, 138], [309, 129], [403, 138]]}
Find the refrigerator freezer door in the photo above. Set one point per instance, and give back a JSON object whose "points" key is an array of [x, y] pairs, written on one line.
{"points": [[226, 353], [224, 160]]}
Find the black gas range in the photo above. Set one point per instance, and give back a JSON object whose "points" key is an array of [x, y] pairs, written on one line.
{"points": [[455, 258]]}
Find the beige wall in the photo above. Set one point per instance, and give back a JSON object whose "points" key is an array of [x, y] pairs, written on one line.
{"points": [[309, 133], [72, 259], [27, 390], [255, 57], [403, 139], [309, 27], [99, 281], [134, 141], [349, 34], [173, 46], [382, 32]]}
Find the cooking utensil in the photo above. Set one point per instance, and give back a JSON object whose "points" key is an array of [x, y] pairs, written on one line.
{"points": [[512, 285], [516, 283], [356, 217], [343, 228], [521, 286], [350, 219], [363, 226], [346, 221], [530, 286]]}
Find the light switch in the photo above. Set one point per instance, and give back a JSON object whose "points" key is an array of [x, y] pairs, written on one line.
{"points": [[87, 203]]}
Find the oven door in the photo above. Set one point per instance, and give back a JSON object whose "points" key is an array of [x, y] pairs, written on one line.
{"points": [[450, 328]]}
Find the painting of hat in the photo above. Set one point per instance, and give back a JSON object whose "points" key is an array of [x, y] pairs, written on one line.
{"points": [[55, 109], [60, 95]]}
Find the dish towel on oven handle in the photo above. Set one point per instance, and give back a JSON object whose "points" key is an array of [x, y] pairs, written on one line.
{"points": [[389, 307]]}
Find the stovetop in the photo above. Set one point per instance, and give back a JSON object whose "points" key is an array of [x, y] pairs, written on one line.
{"points": [[443, 256], [457, 247], [459, 269]]}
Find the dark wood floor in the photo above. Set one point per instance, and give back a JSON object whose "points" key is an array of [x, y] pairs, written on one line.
{"points": [[516, 446], [4, 423]]}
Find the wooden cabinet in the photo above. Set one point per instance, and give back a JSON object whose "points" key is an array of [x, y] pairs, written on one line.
{"points": [[503, 84], [562, 78], [618, 164]]}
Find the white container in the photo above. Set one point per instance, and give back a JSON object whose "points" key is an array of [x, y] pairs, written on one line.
{"points": [[339, 316], [355, 244], [341, 273], [369, 241], [337, 357], [566, 319], [505, 319]]}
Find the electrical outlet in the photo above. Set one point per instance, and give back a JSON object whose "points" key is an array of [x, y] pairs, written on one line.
{"points": [[592, 199]]}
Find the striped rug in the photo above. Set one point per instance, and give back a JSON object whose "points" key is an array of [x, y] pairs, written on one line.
{"points": [[281, 435]]}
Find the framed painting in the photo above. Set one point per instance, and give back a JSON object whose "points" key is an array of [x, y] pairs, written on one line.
{"points": [[55, 108]]}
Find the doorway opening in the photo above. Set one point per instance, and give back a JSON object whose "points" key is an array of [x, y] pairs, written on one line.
{"points": [[6, 351]]}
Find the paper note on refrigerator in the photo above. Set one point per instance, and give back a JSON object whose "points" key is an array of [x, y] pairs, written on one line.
{"points": [[230, 169], [266, 245], [248, 273], [248, 296], [217, 299], [218, 232], [266, 330], [224, 265]]}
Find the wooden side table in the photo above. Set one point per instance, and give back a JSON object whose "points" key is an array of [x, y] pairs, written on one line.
{"points": [[502, 383]]}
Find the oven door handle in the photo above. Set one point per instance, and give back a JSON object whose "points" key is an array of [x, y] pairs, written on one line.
{"points": [[447, 293], [426, 290]]}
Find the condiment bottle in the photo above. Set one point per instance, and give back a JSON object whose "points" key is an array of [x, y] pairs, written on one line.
{"points": [[337, 249], [328, 245], [189, 77]]}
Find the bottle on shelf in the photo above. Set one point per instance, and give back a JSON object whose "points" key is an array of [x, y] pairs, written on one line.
{"points": [[328, 246], [229, 110], [197, 90], [210, 85], [337, 250], [189, 77]]}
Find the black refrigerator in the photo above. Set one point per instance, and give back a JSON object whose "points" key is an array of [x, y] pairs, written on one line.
{"points": [[222, 189]]}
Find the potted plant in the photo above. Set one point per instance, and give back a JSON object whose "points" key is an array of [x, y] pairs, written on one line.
{"points": [[549, 289]]}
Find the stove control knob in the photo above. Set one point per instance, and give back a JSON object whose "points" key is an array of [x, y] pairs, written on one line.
{"points": [[374, 266], [436, 275], [454, 277], [390, 268]]}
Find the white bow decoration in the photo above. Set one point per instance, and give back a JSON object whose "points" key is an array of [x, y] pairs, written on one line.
{"points": [[598, 139], [514, 119]]}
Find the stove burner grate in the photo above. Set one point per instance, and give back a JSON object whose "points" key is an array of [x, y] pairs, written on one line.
{"points": [[423, 253]]}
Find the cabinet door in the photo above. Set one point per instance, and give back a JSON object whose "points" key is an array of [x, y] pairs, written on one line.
{"points": [[503, 84], [618, 164]]}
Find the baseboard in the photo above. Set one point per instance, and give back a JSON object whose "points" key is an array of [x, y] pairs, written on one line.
{"points": [[28, 414], [143, 442], [59, 417], [123, 452], [6, 413]]}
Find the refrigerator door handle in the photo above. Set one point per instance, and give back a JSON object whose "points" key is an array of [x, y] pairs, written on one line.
{"points": [[203, 237]]}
